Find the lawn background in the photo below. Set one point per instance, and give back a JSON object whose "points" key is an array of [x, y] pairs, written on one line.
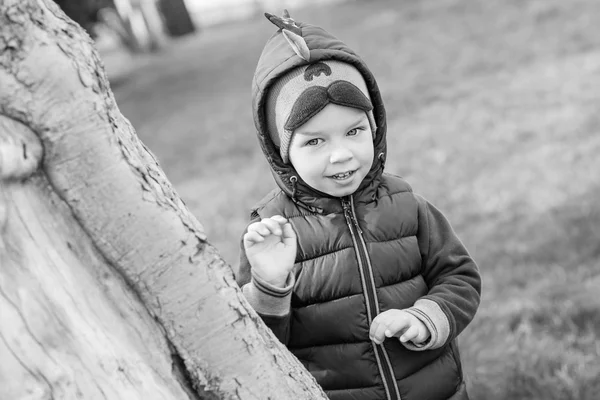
{"points": [[493, 115]]}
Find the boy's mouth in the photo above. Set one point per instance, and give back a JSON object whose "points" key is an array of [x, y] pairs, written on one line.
{"points": [[342, 176]]}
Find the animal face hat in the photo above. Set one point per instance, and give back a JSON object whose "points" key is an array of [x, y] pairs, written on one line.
{"points": [[304, 91]]}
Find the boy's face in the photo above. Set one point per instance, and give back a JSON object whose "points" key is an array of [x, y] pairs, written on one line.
{"points": [[333, 151]]}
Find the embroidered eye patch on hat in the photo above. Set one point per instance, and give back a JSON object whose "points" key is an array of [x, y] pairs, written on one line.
{"points": [[315, 98]]}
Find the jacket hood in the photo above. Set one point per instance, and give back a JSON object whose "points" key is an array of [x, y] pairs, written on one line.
{"points": [[277, 58]]}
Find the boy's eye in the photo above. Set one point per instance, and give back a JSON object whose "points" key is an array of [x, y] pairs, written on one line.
{"points": [[312, 142], [354, 132]]}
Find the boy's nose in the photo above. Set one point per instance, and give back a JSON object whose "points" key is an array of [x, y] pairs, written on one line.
{"points": [[340, 154]]}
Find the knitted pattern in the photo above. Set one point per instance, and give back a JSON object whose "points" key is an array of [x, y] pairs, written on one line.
{"points": [[300, 94]]}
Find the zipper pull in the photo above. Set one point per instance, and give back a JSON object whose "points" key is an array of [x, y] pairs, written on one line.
{"points": [[354, 216], [350, 217], [347, 213], [346, 206]]}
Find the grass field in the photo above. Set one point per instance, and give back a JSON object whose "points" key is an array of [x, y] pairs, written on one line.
{"points": [[494, 116]]}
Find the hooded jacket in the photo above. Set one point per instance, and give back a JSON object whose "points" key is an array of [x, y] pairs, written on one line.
{"points": [[381, 248]]}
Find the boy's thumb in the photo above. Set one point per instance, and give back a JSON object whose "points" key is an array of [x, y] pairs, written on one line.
{"points": [[289, 236]]}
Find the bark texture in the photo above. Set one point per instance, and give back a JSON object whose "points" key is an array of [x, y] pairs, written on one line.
{"points": [[108, 287]]}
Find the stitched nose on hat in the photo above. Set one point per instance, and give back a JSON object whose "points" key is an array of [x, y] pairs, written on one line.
{"points": [[315, 98]]}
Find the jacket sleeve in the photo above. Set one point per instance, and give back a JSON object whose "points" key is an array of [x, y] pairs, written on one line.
{"points": [[451, 275], [271, 303]]}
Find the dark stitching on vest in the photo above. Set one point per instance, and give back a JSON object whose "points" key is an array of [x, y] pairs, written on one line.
{"points": [[307, 214], [391, 240], [325, 254], [300, 215], [341, 212], [412, 278], [318, 302], [355, 388]]}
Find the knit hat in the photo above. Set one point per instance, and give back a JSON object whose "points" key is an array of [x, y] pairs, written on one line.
{"points": [[303, 92]]}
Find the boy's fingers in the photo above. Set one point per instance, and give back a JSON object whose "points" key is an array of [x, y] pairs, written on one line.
{"points": [[395, 326], [410, 334], [379, 322], [259, 228], [289, 236], [373, 329], [272, 225], [252, 237], [377, 332], [279, 219], [374, 325]]}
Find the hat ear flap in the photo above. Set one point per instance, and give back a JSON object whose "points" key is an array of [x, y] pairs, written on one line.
{"points": [[297, 43]]}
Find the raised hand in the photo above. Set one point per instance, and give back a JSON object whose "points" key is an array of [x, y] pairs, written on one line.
{"points": [[398, 323], [271, 249]]}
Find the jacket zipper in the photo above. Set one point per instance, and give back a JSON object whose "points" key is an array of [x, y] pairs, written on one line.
{"points": [[369, 290]]}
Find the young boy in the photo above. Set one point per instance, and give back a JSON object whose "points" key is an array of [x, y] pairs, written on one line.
{"points": [[364, 281]]}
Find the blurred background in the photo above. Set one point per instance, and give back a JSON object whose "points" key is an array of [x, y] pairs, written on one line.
{"points": [[494, 116]]}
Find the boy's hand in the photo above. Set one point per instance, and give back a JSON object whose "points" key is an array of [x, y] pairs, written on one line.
{"points": [[271, 249], [398, 323]]}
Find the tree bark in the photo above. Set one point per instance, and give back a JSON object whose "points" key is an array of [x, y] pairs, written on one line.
{"points": [[108, 286]]}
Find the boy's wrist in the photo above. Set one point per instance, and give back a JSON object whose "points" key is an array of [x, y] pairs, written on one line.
{"points": [[266, 303], [426, 337], [280, 282], [276, 287], [435, 321], [267, 299]]}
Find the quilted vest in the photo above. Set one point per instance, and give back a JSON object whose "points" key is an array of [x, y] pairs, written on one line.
{"points": [[351, 265]]}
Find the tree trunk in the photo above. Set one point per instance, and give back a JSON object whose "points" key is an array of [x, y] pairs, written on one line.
{"points": [[108, 287], [177, 18]]}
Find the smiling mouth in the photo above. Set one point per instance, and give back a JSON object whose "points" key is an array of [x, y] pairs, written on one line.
{"points": [[342, 176]]}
